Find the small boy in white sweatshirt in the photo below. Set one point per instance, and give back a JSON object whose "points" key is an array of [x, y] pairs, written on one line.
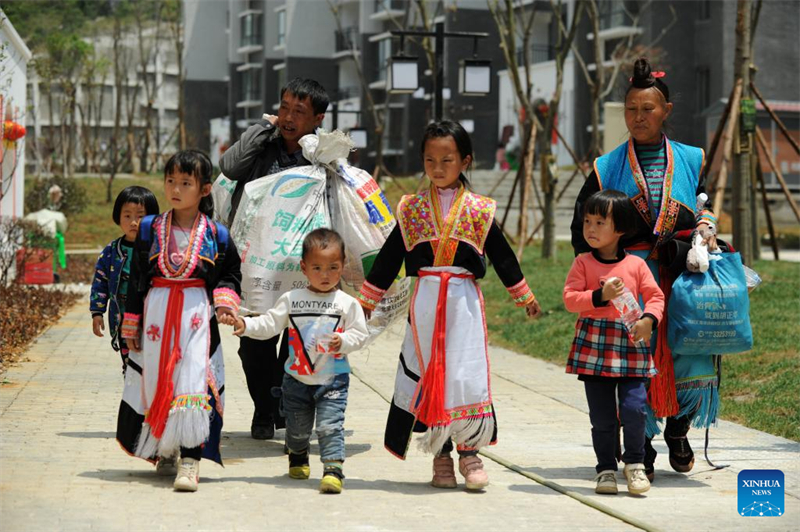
{"points": [[324, 324]]}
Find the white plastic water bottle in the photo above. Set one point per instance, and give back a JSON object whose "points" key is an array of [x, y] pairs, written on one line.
{"points": [[629, 310], [702, 198]]}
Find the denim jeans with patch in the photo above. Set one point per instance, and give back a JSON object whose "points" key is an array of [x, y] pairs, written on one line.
{"points": [[327, 402]]}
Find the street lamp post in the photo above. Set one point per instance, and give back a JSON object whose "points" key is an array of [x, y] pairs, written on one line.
{"points": [[439, 36]]}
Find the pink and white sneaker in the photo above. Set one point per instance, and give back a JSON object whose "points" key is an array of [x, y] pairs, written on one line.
{"points": [[471, 467]]}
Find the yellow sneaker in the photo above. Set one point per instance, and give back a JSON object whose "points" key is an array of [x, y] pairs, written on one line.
{"points": [[331, 484], [332, 480], [298, 466]]}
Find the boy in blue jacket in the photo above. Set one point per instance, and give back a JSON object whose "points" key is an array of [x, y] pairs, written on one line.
{"points": [[110, 283]]}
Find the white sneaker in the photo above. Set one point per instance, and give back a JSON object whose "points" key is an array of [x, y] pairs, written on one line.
{"points": [[166, 466], [637, 480], [606, 482], [188, 475]]}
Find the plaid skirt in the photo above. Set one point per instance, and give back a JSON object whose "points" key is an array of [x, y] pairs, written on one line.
{"points": [[603, 348]]}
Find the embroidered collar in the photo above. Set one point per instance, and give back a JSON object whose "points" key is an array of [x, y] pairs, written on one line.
{"points": [[468, 220], [641, 183]]}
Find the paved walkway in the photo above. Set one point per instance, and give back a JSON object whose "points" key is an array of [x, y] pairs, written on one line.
{"points": [[61, 468]]}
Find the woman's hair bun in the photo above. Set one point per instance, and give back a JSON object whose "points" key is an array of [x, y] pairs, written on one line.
{"points": [[642, 74]]}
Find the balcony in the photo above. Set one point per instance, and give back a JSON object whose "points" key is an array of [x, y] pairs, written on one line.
{"points": [[347, 39], [615, 23], [388, 9], [345, 93], [347, 43], [250, 34], [539, 53]]}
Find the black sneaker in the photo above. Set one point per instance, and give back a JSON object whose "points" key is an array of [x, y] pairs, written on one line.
{"points": [[262, 428], [649, 459], [681, 456]]}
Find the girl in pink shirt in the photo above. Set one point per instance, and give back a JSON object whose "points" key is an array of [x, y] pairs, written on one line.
{"points": [[604, 355]]}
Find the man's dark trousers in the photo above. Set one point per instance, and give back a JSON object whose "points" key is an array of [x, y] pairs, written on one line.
{"points": [[263, 364]]}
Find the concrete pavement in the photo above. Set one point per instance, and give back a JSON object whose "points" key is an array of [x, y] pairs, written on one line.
{"points": [[61, 469]]}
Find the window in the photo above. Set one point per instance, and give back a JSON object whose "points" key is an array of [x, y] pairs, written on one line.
{"points": [[393, 129], [251, 85], [281, 82], [703, 87], [384, 54], [281, 27], [250, 26]]}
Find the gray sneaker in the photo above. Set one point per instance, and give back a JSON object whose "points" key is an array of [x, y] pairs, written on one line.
{"points": [[166, 466], [606, 482]]}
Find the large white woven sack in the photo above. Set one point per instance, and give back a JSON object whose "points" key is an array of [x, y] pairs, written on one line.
{"points": [[276, 212]]}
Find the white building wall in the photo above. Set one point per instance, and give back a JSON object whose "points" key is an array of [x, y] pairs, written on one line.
{"points": [[543, 76], [13, 86], [205, 27]]}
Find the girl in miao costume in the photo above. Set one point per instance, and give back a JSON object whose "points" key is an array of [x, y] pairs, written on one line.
{"points": [[661, 178], [185, 273], [444, 236]]}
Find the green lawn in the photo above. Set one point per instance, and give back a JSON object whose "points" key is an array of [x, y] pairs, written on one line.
{"points": [[759, 388], [94, 227]]}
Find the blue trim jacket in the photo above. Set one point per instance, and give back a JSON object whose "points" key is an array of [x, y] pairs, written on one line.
{"points": [[105, 288]]}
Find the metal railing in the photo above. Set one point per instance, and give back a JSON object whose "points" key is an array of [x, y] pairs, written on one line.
{"points": [[385, 5], [539, 53], [347, 39], [344, 93]]}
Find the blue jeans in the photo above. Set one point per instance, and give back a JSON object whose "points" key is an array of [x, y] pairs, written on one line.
{"points": [[302, 402], [602, 395]]}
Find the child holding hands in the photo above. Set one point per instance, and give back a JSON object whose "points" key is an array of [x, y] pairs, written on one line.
{"points": [[613, 363], [324, 324], [184, 277]]}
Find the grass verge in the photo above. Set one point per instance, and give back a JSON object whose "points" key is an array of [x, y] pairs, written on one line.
{"points": [[94, 227], [759, 388]]}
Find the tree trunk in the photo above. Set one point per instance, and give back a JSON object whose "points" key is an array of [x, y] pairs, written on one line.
{"points": [[740, 209], [528, 162]]}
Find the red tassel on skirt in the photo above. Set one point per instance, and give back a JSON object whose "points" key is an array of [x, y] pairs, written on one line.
{"points": [[431, 409], [170, 352], [662, 396]]}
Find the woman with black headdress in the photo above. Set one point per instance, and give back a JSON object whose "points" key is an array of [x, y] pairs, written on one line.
{"points": [[662, 179]]}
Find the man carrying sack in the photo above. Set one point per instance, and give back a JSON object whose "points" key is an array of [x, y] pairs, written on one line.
{"points": [[265, 149]]}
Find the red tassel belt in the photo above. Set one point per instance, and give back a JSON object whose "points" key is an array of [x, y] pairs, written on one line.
{"points": [[170, 350], [431, 410]]}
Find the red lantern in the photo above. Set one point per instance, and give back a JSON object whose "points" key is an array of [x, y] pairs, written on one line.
{"points": [[12, 131]]}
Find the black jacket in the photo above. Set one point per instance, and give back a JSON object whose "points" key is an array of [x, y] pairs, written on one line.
{"points": [[252, 157]]}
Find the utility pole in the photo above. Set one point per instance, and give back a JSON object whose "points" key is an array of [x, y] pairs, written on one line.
{"points": [[740, 208]]}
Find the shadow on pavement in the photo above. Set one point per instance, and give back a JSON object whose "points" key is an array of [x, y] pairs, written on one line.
{"points": [[532, 488], [127, 475], [104, 434], [663, 479], [238, 446]]}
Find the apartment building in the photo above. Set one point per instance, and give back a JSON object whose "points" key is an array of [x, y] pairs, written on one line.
{"points": [[697, 53], [272, 41]]}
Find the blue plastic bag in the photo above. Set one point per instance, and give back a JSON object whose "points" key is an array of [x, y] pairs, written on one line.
{"points": [[709, 313]]}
